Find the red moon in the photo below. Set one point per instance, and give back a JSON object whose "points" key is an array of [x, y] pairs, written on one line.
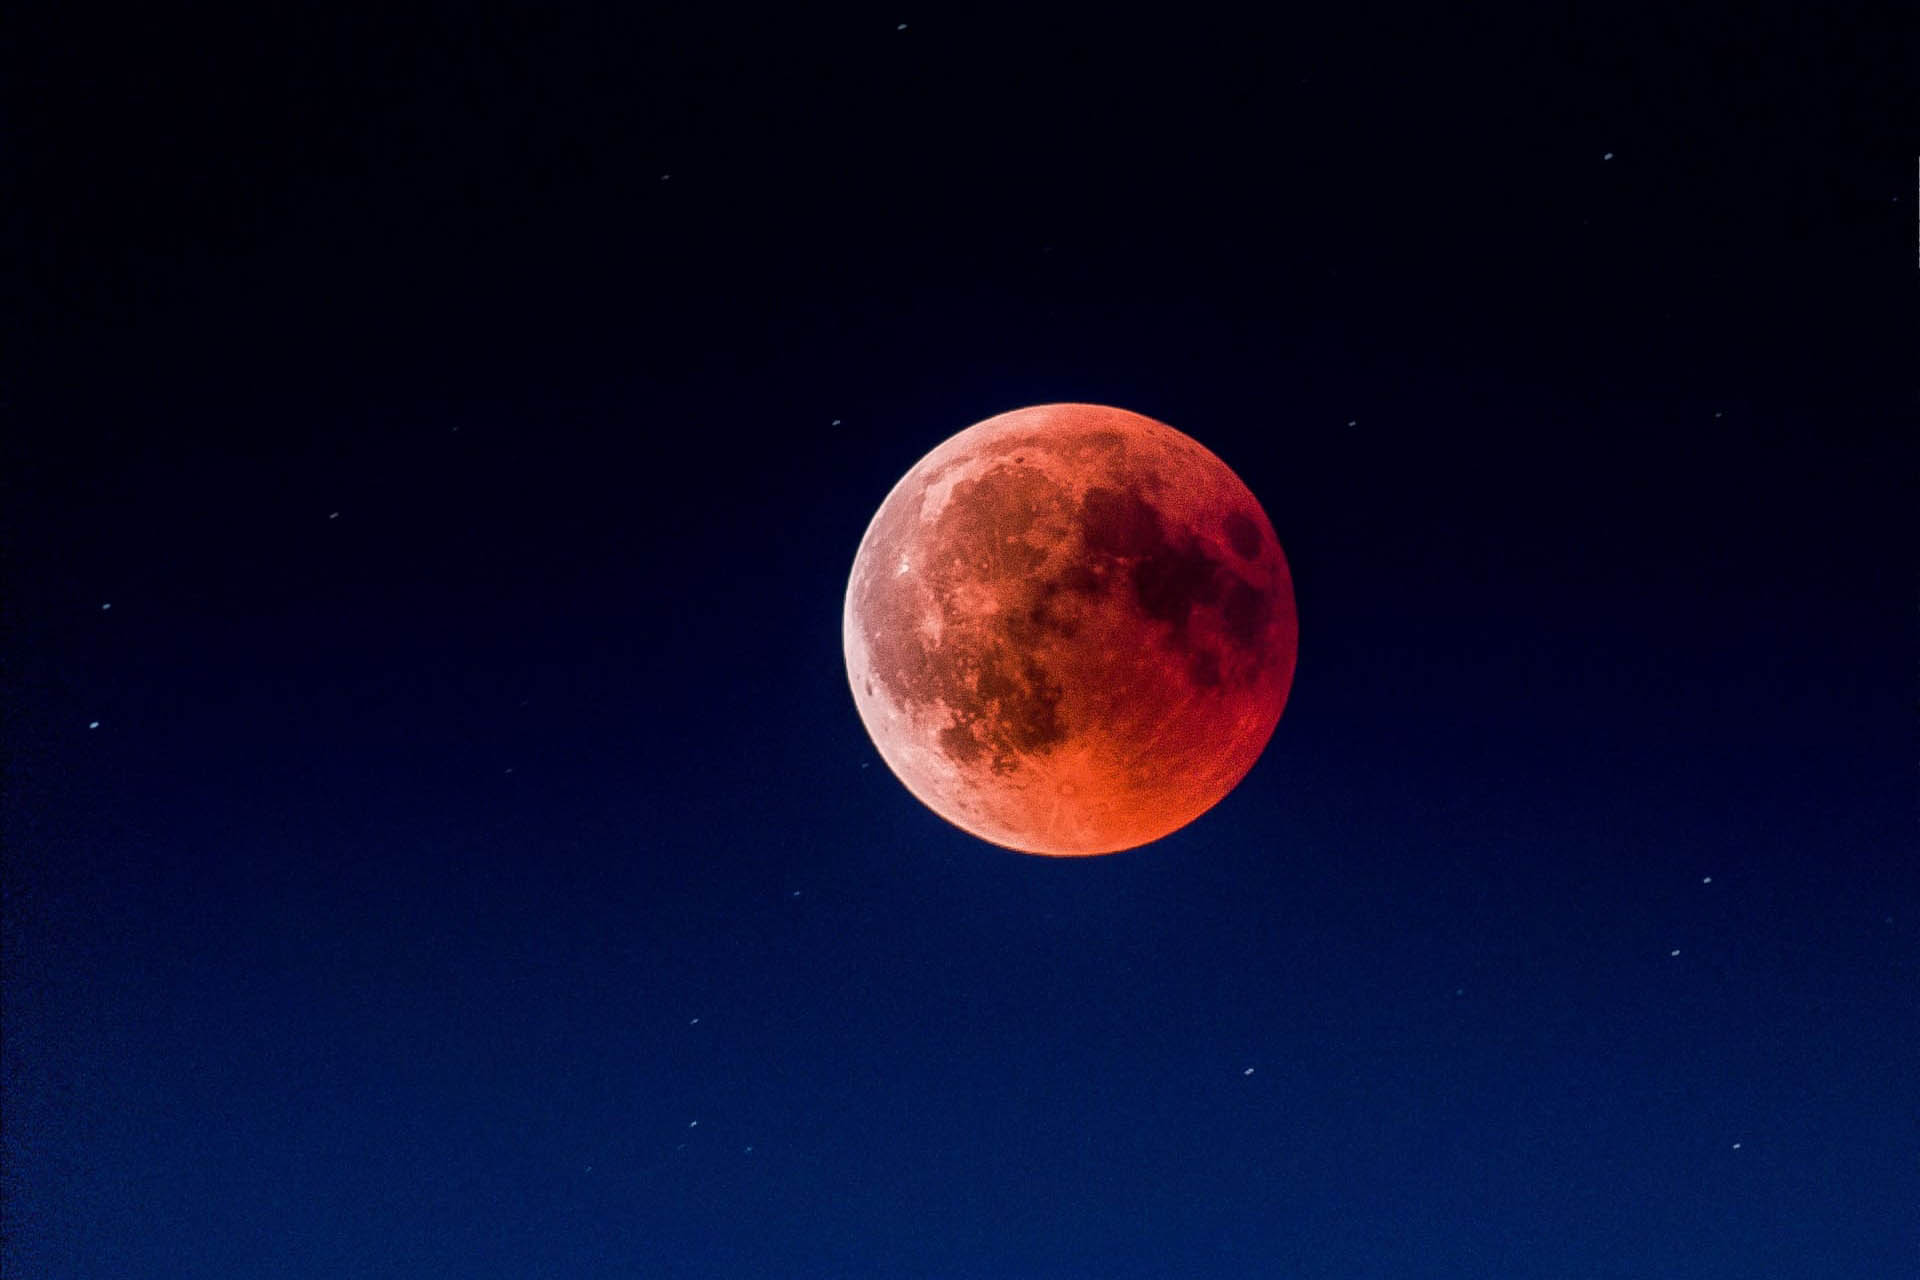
{"points": [[1070, 630]]}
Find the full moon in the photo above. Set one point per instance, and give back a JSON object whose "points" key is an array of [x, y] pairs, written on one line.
{"points": [[1070, 630]]}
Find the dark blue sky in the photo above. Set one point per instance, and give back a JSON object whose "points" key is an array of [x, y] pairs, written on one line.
{"points": [[479, 869]]}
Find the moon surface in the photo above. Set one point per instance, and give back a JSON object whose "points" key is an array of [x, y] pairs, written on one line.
{"points": [[1070, 629]]}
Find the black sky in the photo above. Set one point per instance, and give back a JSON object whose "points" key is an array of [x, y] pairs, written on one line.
{"points": [[455, 851]]}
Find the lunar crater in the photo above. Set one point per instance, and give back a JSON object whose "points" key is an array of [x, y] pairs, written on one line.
{"points": [[1243, 535]]}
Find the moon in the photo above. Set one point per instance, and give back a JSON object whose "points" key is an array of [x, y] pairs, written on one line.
{"points": [[1070, 630]]}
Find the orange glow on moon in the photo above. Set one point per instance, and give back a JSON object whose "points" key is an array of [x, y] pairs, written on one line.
{"points": [[1070, 630]]}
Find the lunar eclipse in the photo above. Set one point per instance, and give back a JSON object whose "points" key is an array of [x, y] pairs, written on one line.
{"points": [[1070, 630]]}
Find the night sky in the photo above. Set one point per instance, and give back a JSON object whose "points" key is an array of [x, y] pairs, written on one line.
{"points": [[439, 837]]}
